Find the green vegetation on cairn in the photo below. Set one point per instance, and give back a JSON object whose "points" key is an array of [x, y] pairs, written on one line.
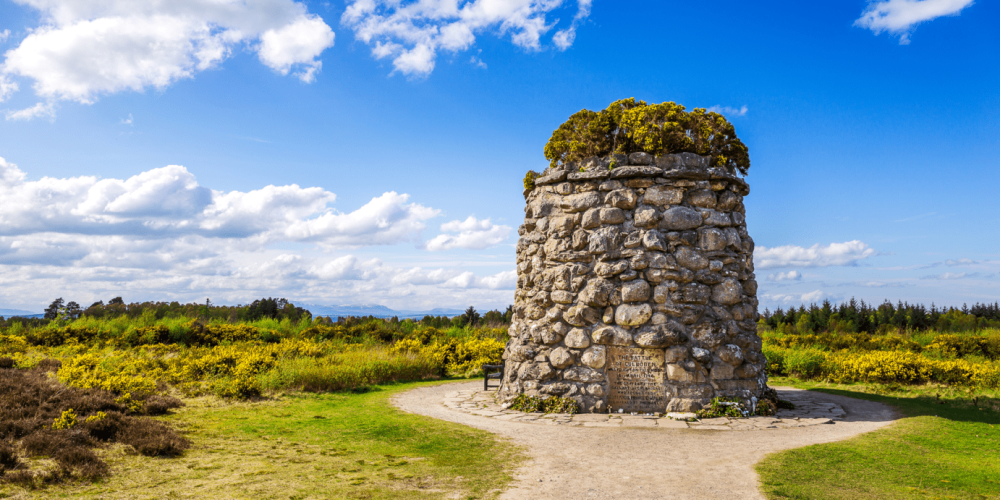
{"points": [[945, 447], [627, 126], [551, 404]]}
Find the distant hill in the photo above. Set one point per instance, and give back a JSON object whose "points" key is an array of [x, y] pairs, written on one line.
{"points": [[376, 310], [18, 312]]}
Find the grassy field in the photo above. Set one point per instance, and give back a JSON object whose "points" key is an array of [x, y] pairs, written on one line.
{"points": [[946, 446], [275, 407], [302, 445]]}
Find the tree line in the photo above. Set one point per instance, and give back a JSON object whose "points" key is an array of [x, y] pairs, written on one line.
{"points": [[859, 316], [274, 308]]}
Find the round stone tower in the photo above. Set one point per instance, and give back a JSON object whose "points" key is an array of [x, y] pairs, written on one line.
{"points": [[635, 287]]}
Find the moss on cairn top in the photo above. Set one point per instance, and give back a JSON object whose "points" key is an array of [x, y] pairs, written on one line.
{"points": [[630, 126]]}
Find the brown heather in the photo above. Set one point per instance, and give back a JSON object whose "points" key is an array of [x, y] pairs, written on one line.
{"points": [[31, 400]]}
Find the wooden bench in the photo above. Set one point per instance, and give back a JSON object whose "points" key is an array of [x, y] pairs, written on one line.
{"points": [[491, 371]]}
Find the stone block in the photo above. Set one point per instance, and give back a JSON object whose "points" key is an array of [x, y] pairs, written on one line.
{"points": [[713, 218], [659, 336], [577, 339], [595, 357], [677, 373], [551, 177], [562, 297], [728, 292], [633, 239], [640, 158], [653, 240], [610, 186], [701, 198], [580, 202], [680, 218], [646, 216], [676, 354], [581, 315], [610, 335], [609, 269], [663, 195], [635, 291], [591, 218], [700, 355], [692, 293], [690, 258], [633, 315], [560, 357], [749, 370], [721, 371], [639, 183], [589, 175], [550, 337], [597, 293], [612, 216], [583, 374], [621, 198], [731, 354], [635, 171], [555, 388], [712, 239]]}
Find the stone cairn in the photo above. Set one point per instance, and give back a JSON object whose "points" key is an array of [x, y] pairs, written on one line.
{"points": [[635, 287]]}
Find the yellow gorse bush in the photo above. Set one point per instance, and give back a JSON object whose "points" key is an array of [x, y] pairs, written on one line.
{"points": [[470, 356], [901, 367], [65, 421], [84, 371], [461, 358]]}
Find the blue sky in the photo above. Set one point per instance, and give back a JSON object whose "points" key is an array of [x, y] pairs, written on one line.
{"points": [[372, 152]]}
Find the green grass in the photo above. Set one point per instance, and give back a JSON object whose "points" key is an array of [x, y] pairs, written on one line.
{"points": [[299, 446], [947, 447]]}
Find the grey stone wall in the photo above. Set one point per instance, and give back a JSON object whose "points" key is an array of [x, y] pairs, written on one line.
{"points": [[654, 254]]}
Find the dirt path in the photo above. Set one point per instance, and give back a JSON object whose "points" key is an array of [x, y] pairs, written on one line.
{"points": [[639, 463]]}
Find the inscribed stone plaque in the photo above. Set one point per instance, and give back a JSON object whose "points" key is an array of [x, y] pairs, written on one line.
{"points": [[636, 379]]}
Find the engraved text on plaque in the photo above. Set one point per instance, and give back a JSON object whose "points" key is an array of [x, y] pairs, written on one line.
{"points": [[636, 378]]}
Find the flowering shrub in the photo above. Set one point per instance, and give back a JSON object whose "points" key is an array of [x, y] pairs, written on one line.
{"points": [[881, 367], [65, 421], [85, 372], [459, 358]]}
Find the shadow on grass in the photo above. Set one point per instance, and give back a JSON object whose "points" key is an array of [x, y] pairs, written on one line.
{"points": [[979, 409]]}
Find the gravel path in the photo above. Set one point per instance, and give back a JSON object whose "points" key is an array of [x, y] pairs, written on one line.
{"points": [[645, 463]]}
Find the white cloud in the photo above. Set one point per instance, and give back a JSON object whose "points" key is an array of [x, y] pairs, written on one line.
{"points": [[477, 62], [88, 48], [38, 110], [4, 35], [834, 254], [950, 276], [503, 280], [795, 299], [786, 276], [127, 121], [959, 262], [472, 234], [300, 42], [7, 87], [159, 235], [728, 111], [900, 17], [385, 220], [413, 32], [167, 202]]}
